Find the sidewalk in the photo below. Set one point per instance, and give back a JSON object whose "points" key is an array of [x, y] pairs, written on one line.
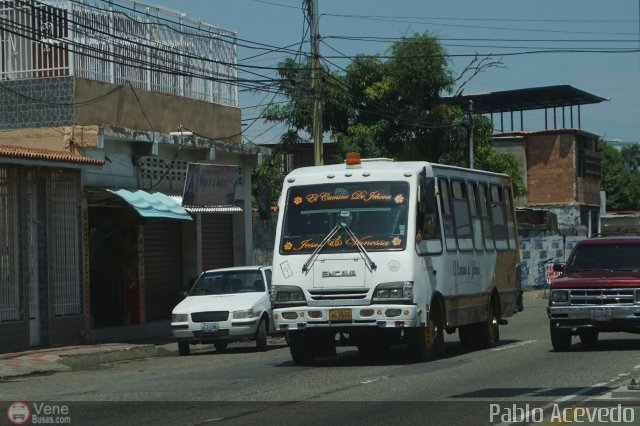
{"points": [[65, 358]]}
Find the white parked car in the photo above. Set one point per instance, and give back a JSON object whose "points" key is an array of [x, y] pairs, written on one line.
{"points": [[225, 305]]}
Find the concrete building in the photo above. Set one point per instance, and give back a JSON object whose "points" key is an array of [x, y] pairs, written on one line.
{"points": [[562, 171], [103, 107], [562, 164]]}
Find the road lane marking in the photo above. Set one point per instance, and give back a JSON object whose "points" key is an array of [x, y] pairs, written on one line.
{"points": [[515, 345], [377, 379], [556, 402]]}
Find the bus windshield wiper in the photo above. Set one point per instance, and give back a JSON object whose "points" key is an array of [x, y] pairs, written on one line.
{"points": [[370, 263], [305, 267]]}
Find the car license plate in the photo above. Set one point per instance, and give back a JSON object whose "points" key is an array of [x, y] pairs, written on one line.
{"points": [[209, 327], [601, 314], [340, 314]]}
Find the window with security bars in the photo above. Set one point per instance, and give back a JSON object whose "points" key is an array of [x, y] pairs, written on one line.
{"points": [[64, 273], [9, 289]]}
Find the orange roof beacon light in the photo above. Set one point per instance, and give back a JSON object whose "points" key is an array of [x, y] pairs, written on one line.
{"points": [[352, 159]]}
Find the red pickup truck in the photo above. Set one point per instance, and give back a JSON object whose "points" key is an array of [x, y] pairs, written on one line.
{"points": [[598, 291]]}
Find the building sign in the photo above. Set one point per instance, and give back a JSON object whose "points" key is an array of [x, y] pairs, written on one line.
{"points": [[209, 185]]}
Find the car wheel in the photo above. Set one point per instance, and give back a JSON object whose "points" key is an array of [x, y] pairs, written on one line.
{"points": [[589, 336], [560, 338], [261, 336], [183, 348], [220, 345]]}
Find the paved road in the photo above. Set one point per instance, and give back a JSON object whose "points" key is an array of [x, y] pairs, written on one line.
{"points": [[241, 386]]}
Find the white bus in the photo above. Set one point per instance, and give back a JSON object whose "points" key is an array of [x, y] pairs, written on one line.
{"points": [[374, 252]]}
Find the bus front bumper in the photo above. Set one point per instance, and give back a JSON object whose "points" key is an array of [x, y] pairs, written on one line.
{"points": [[382, 316]]}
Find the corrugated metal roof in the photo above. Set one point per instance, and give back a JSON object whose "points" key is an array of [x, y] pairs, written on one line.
{"points": [[208, 209], [152, 204], [46, 154], [526, 99]]}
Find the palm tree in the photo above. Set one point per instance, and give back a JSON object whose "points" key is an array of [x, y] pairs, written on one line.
{"points": [[631, 156]]}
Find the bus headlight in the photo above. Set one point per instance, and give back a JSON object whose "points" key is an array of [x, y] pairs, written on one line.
{"points": [[401, 290], [288, 293]]}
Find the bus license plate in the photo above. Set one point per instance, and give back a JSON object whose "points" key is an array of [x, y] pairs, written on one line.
{"points": [[601, 314], [209, 327], [340, 314]]}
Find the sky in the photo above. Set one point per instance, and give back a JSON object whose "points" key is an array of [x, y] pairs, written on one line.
{"points": [[595, 47]]}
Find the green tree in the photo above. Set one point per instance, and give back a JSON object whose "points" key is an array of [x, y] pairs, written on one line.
{"points": [[392, 108], [621, 185], [631, 156]]}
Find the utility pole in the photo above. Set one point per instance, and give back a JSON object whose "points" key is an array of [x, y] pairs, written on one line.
{"points": [[471, 134], [312, 10]]}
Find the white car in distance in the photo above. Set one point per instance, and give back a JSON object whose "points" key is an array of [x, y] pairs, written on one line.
{"points": [[225, 305]]}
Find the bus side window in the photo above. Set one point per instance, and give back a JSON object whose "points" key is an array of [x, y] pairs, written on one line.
{"points": [[447, 215], [428, 237], [487, 226], [476, 219], [464, 233], [498, 215], [511, 223]]}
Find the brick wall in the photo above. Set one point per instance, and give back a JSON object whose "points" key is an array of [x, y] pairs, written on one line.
{"points": [[551, 169]]}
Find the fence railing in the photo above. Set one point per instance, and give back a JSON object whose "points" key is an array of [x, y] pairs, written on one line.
{"points": [[120, 42]]}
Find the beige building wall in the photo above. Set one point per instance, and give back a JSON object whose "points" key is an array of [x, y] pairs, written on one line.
{"points": [[144, 110]]}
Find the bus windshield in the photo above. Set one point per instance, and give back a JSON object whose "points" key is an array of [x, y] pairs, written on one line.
{"points": [[377, 217]]}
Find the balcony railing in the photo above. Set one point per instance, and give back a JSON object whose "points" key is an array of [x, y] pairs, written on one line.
{"points": [[120, 42]]}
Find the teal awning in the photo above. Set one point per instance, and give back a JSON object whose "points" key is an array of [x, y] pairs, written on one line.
{"points": [[152, 204]]}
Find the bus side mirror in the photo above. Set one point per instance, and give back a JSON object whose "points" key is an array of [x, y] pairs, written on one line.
{"points": [[427, 194]]}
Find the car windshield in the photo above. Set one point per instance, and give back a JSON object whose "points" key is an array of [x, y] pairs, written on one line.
{"points": [[608, 256], [377, 214], [228, 282]]}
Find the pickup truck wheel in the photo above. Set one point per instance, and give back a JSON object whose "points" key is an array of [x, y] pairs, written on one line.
{"points": [[560, 338], [300, 348], [261, 336], [183, 348], [588, 336], [220, 345]]}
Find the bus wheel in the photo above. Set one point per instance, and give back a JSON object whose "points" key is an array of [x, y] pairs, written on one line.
{"points": [[489, 331], [424, 342], [467, 336], [300, 350]]}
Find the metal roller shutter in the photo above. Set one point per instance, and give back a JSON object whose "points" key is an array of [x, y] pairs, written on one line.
{"points": [[162, 267], [217, 241]]}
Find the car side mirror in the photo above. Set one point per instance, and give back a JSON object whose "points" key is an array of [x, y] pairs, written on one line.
{"points": [[558, 267]]}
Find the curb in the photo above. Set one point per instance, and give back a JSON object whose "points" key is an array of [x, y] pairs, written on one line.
{"points": [[124, 354]]}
